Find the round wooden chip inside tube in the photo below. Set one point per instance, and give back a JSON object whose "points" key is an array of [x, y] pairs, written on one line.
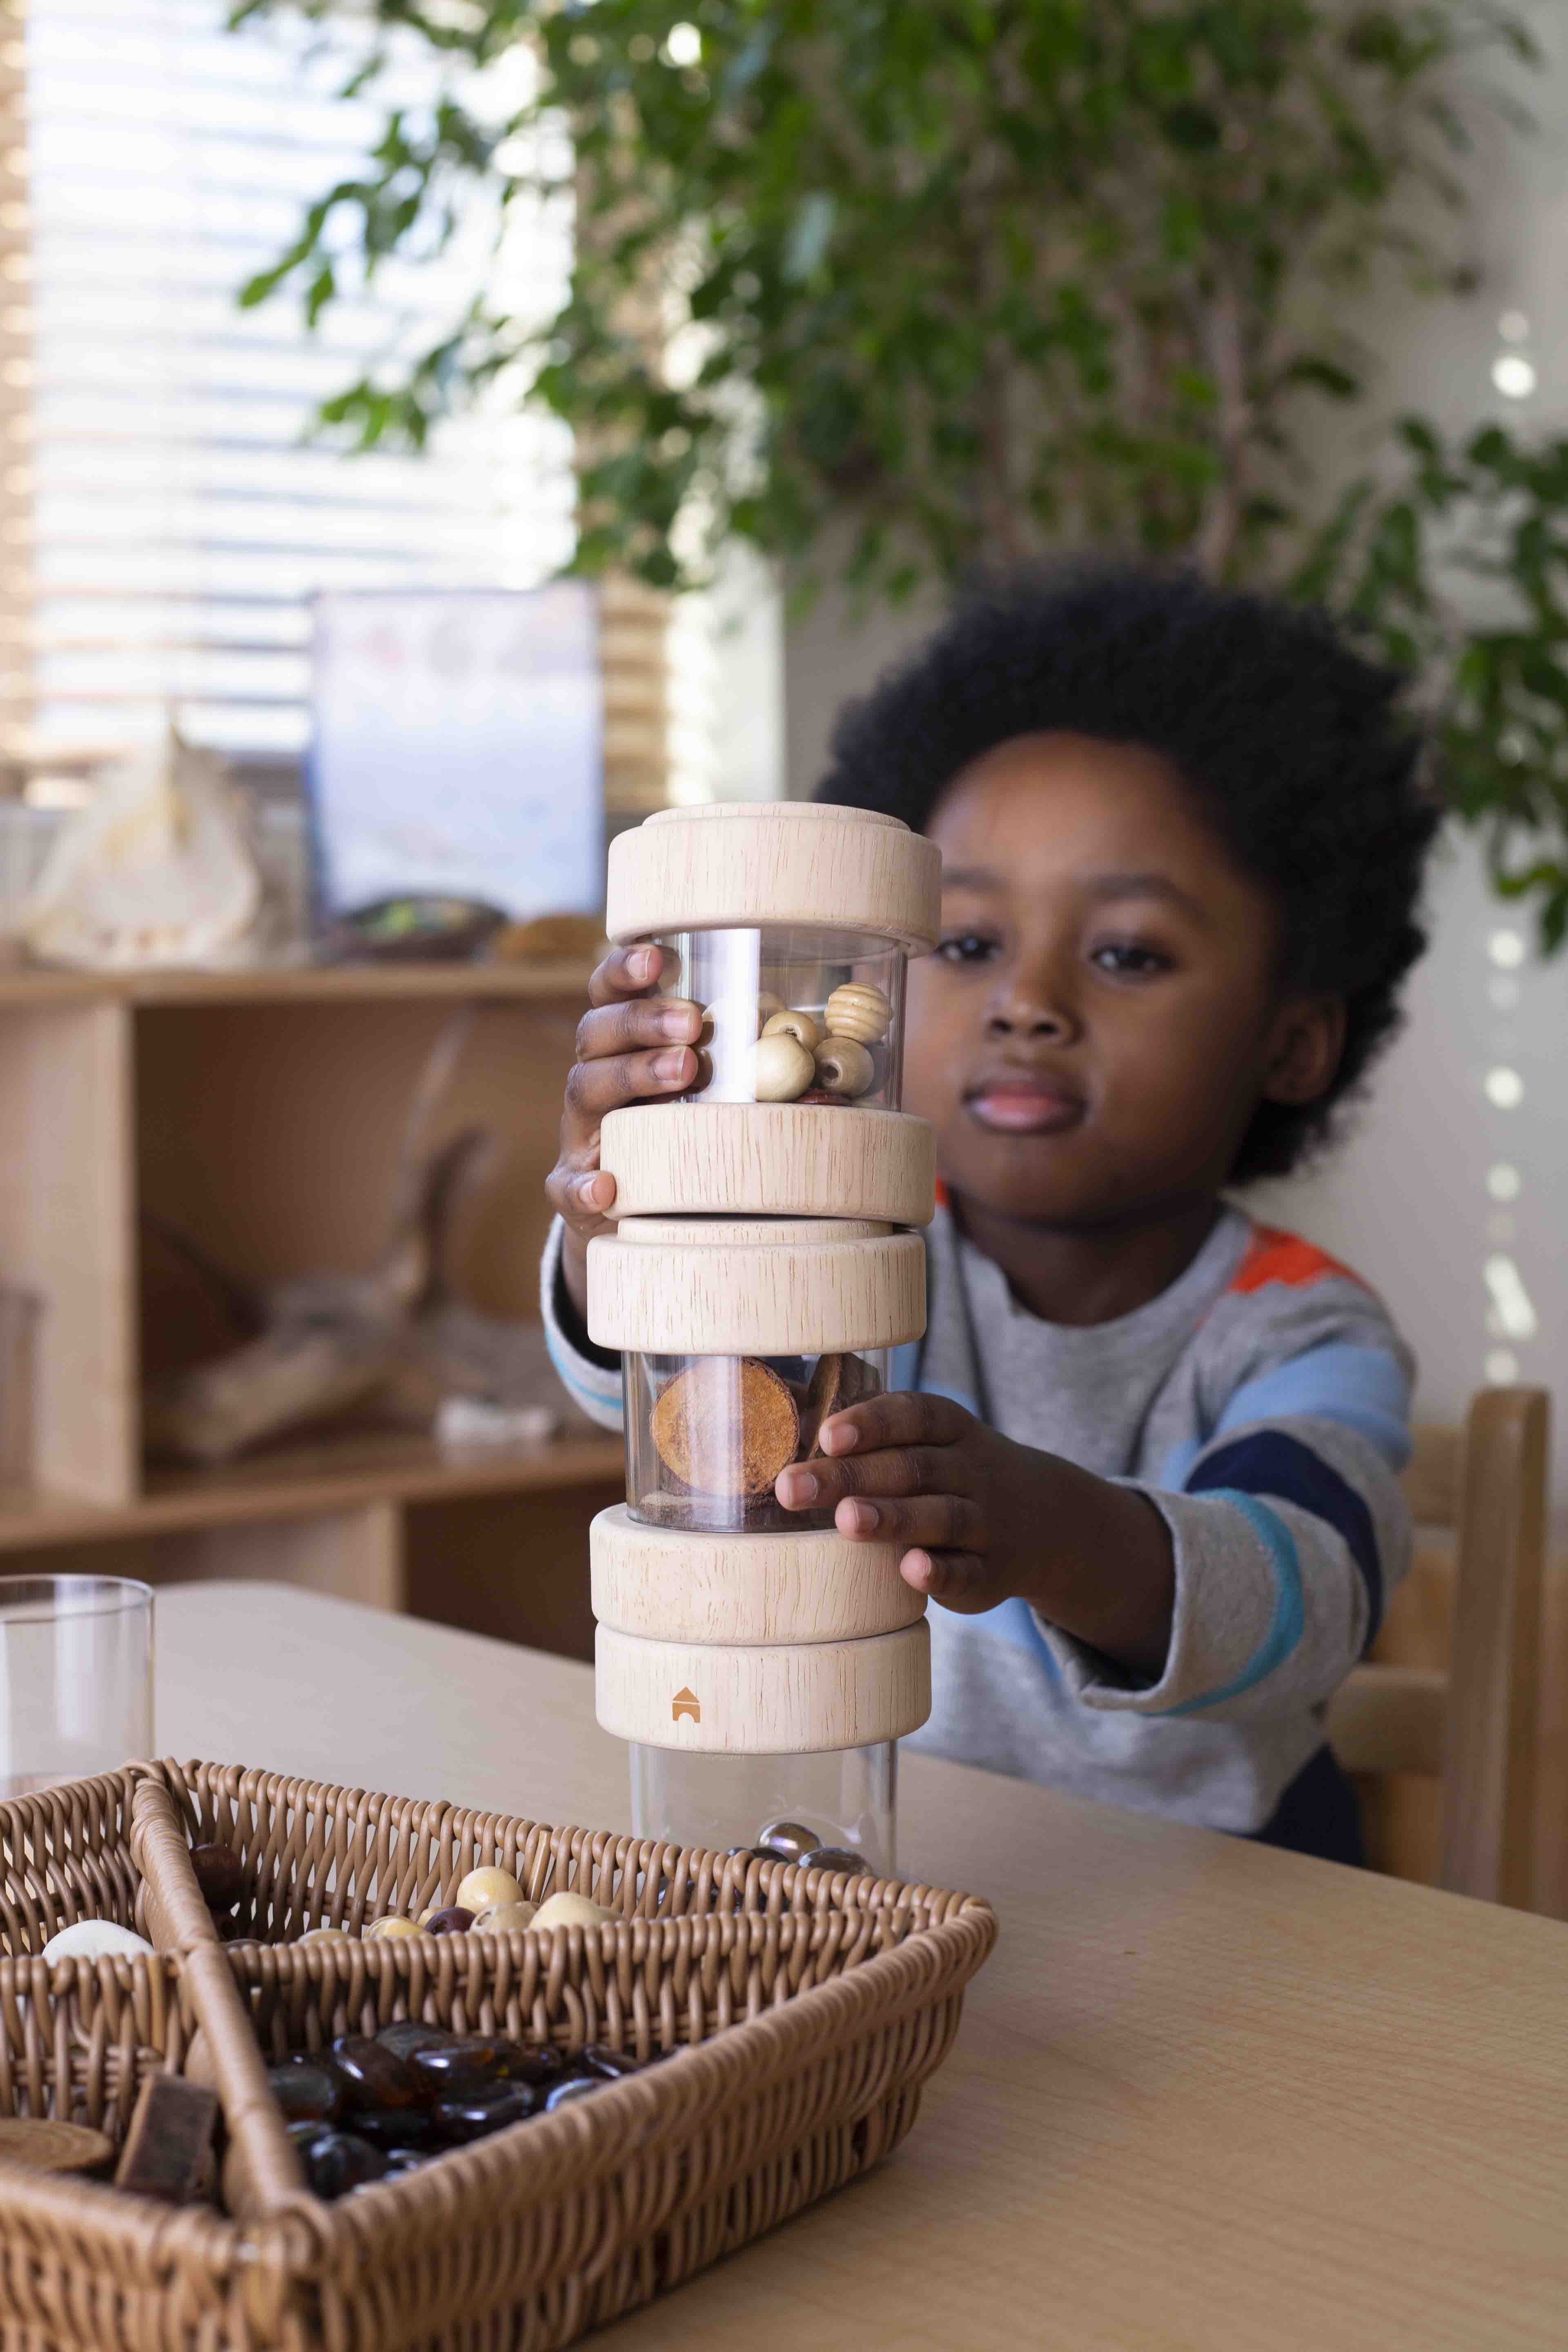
{"points": [[45, 2146], [726, 1426]]}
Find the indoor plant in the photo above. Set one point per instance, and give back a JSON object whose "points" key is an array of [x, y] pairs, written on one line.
{"points": [[973, 281]]}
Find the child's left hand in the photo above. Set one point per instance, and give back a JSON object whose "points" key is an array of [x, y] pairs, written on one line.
{"points": [[985, 1518], [966, 1501]]}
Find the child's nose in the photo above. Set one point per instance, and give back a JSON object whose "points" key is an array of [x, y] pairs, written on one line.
{"points": [[1022, 1014]]}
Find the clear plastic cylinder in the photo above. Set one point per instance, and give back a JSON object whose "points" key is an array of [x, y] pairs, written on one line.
{"points": [[792, 1014], [707, 1435], [844, 1799]]}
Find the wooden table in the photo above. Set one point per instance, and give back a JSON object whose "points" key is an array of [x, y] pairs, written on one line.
{"points": [[1204, 2095]]}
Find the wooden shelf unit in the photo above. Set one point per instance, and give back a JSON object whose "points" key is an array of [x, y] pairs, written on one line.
{"points": [[258, 1111]]}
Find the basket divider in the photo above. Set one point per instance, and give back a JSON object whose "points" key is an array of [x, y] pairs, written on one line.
{"points": [[262, 2173]]}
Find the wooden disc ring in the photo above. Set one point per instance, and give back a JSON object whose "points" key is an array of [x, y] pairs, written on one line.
{"points": [[814, 1585], [745, 864], [792, 1698], [769, 1159], [667, 1286]]}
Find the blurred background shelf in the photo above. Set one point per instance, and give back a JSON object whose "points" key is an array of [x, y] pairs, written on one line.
{"points": [[259, 1113]]}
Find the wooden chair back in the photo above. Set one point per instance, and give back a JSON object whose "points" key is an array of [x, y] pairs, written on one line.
{"points": [[1472, 1727]]}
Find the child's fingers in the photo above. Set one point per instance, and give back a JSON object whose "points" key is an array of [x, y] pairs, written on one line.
{"points": [[901, 1417], [634, 1021], [947, 1522], [959, 1580], [626, 972], [892, 1470], [584, 1197], [595, 1088]]}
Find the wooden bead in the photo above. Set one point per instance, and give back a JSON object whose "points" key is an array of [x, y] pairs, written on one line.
{"points": [[96, 1939], [783, 1160], [570, 1909], [793, 1699], [666, 1286], [859, 1011], [747, 864], [388, 1930], [483, 1888], [809, 1585], [506, 1919], [783, 1068], [801, 1026], [843, 1066]]}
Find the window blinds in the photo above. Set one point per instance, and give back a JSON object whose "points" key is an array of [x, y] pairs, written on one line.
{"points": [[163, 519]]}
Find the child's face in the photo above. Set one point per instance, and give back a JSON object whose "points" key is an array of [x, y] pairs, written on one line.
{"points": [[1103, 1017]]}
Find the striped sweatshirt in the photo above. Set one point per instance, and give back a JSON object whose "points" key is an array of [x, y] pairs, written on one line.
{"points": [[1261, 1402]]}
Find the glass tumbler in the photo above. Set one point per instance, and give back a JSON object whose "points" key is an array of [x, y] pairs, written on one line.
{"points": [[76, 1678]]}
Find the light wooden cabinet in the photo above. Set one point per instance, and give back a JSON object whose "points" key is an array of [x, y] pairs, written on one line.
{"points": [[258, 1113]]}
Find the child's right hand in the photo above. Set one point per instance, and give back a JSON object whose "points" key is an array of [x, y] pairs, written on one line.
{"points": [[632, 1046]]}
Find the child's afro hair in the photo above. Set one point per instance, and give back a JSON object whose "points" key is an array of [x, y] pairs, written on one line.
{"points": [[1295, 747]]}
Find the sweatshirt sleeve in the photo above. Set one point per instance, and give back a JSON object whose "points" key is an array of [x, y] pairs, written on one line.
{"points": [[1287, 1520], [591, 1376]]}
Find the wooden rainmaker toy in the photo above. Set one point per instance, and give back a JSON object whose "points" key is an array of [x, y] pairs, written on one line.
{"points": [[760, 1664]]}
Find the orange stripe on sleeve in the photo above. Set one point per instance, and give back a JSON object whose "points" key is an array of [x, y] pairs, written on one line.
{"points": [[1274, 1256]]}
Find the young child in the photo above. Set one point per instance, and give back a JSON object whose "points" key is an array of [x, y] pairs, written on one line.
{"points": [[1149, 1469]]}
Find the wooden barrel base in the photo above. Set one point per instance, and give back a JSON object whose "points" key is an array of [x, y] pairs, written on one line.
{"points": [[667, 1584], [781, 1159], [796, 1699]]}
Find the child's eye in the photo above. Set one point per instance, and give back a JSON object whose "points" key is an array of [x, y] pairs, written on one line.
{"points": [[969, 948], [1127, 959]]}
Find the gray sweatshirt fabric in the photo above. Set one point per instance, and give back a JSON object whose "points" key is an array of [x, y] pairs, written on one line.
{"points": [[1262, 1403]]}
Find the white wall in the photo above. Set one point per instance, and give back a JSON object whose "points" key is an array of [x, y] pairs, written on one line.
{"points": [[1405, 1200]]}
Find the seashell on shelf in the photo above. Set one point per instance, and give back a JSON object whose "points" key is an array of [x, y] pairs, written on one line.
{"points": [[156, 870]]}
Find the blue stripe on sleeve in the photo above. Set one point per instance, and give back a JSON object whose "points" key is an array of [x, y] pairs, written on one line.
{"points": [[1288, 1616], [595, 1401], [1367, 1388], [1269, 1463]]}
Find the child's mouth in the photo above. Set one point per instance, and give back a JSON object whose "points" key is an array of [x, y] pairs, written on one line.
{"points": [[1021, 1107]]}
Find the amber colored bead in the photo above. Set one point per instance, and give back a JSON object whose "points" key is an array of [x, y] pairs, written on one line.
{"points": [[376, 2076], [308, 2089], [220, 1876]]}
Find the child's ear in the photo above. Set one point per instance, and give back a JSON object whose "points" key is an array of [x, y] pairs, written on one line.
{"points": [[1304, 1048]]}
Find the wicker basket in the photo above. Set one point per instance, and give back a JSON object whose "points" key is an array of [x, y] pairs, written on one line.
{"points": [[806, 2023]]}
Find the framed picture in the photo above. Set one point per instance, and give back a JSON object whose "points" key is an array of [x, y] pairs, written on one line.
{"points": [[456, 749]]}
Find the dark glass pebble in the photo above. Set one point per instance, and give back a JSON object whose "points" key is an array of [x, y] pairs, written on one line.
{"points": [[409, 2035], [458, 2121], [338, 2161], [577, 2086], [787, 1841], [609, 2065], [451, 1920], [220, 1876], [390, 2128], [836, 1857], [308, 2089], [376, 2076], [405, 2159], [460, 2070]]}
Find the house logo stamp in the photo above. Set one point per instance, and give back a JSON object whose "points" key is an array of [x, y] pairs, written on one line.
{"points": [[685, 1702]]}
